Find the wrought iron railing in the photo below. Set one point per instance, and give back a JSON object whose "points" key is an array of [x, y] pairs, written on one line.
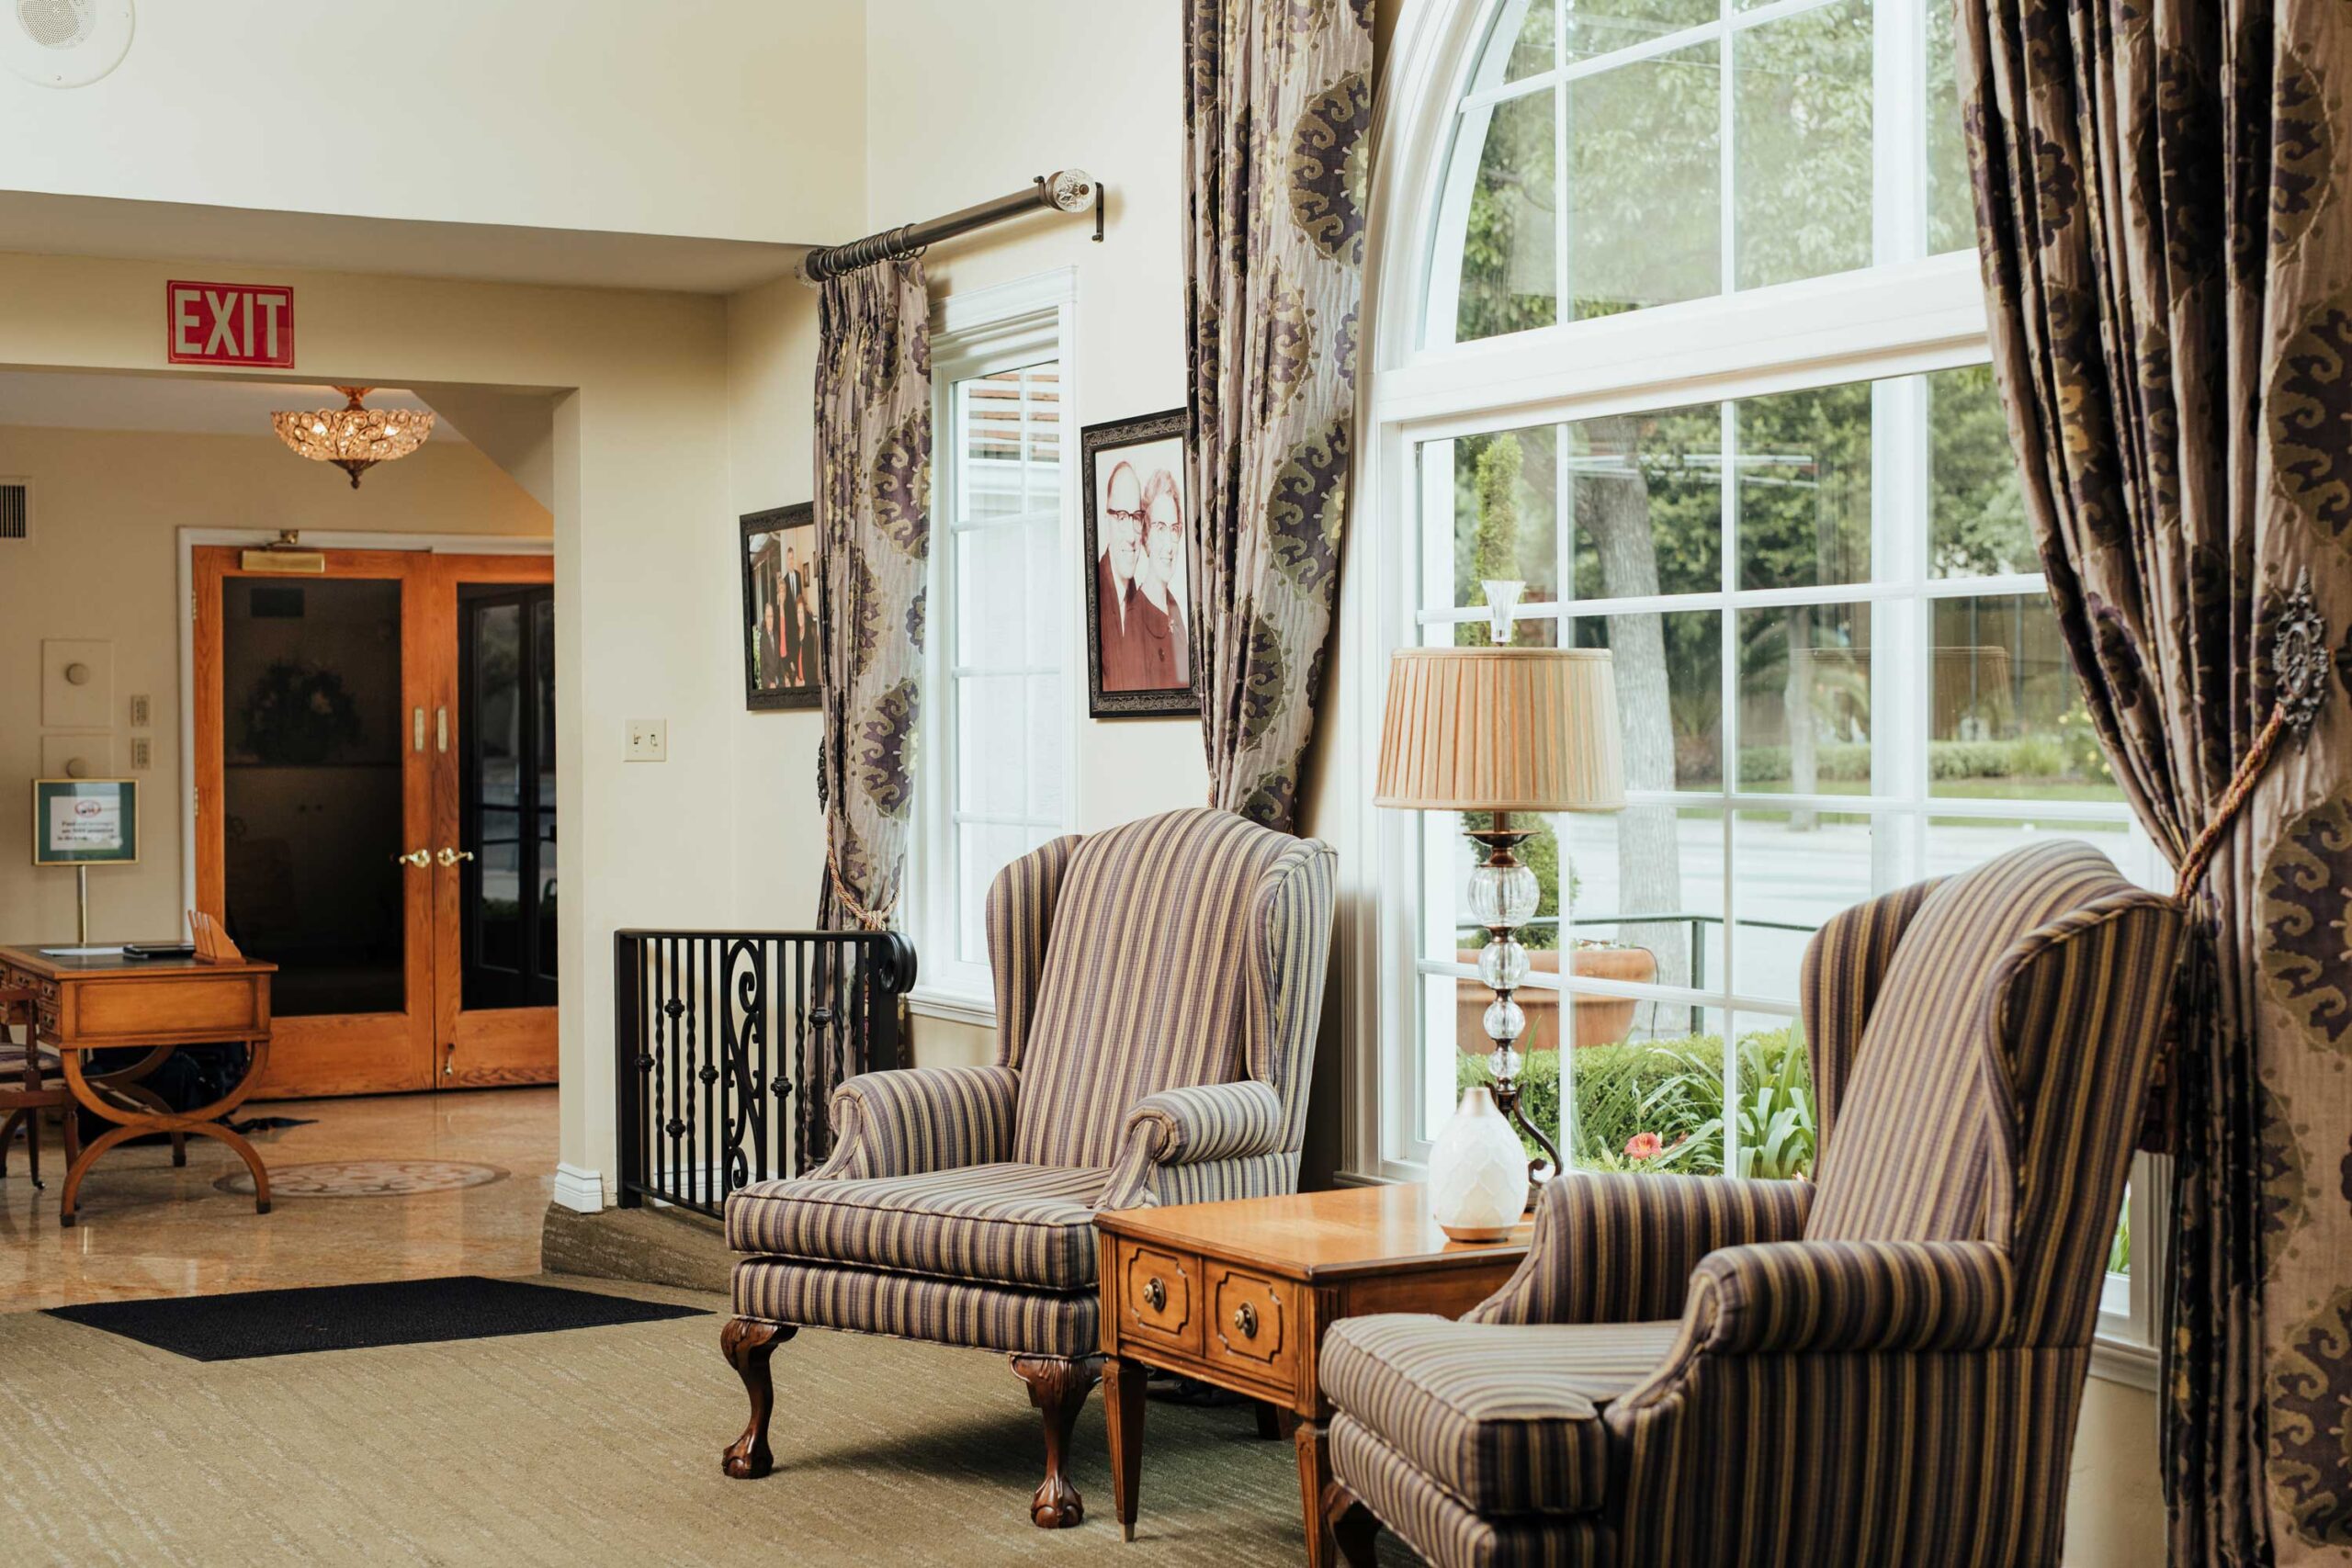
{"points": [[710, 1029]]}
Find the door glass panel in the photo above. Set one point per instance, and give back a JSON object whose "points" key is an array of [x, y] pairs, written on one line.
{"points": [[506, 815], [543, 764], [311, 736]]}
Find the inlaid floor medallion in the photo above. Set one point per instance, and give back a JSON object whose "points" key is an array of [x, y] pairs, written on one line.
{"points": [[366, 1178]]}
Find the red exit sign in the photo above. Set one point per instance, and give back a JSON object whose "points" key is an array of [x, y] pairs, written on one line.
{"points": [[229, 323]]}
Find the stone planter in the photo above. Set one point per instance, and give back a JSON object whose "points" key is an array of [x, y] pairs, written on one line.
{"points": [[1597, 1020]]}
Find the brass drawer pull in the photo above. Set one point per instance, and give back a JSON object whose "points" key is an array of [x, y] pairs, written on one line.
{"points": [[1245, 1318], [1155, 1294]]}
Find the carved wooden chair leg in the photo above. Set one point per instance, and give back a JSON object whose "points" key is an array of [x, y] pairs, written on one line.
{"points": [[1059, 1386], [747, 1343], [1353, 1527]]}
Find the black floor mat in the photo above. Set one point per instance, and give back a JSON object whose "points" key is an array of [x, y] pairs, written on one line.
{"points": [[348, 1317]]}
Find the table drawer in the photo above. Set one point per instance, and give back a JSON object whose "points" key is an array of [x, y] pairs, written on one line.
{"points": [[1252, 1324], [228, 1005], [1158, 1296]]}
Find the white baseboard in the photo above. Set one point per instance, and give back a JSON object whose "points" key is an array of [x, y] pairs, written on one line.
{"points": [[581, 1191]]}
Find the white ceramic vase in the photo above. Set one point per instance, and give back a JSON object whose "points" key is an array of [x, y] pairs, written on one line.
{"points": [[1478, 1172]]}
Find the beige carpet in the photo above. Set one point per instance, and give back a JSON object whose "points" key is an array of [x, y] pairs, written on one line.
{"points": [[597, 1446]]}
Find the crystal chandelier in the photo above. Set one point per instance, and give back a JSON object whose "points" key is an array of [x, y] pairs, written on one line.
{"points": [[352, 437]]}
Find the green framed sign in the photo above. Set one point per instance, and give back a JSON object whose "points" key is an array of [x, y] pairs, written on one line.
{"points": [[86, 822]]}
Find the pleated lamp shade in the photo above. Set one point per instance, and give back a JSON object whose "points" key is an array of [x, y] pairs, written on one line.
{"points": [[1501, 729]]}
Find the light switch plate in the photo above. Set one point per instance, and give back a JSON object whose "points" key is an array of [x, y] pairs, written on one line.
{"points": [[142, 711], [76, 684], [649, 741], [94, 751]]}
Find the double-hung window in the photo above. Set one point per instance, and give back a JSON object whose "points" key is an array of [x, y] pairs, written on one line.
{"points": [[1690, 341], [993, 779]]}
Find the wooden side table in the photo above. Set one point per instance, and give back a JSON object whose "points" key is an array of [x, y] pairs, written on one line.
{"points": [[103, 1001], [1240, 1295]]}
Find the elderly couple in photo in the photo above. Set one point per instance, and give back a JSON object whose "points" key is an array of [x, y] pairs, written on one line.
{"points": [[1139, 582]]}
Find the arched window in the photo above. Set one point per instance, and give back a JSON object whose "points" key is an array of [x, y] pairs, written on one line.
{"points": [[1679, 321], [1635, 153]]}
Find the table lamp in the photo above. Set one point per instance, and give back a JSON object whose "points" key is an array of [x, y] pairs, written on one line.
{"points": [[1489, 732]]}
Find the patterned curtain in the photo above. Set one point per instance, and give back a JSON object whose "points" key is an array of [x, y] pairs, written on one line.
{"points": [[1277, 128], [873, 462], [2167, 254]]}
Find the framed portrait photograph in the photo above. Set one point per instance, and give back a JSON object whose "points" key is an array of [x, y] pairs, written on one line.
{"points": [[780, 608], [1139, 587]]}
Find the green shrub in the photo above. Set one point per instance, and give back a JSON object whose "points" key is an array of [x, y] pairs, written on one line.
{"points": [[2072, 753], [1832, 761], [1674, 1089]]}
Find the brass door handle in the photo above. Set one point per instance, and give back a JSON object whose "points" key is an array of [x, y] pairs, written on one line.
{"points": [[1155, 1294], [451, 857], [1245, 1318], [417, 858]]}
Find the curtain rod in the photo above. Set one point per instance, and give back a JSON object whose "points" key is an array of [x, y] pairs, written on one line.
{"points": [[1065, 190]]}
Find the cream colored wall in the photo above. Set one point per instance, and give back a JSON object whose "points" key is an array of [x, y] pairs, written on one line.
{"points": [[103, 563], [690, 117], [645, 584], [943, 133], [771, 414], [1106, 99], [2115, 1508]]}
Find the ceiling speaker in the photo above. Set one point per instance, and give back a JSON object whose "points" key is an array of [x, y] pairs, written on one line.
{"points": [[65, 43]]}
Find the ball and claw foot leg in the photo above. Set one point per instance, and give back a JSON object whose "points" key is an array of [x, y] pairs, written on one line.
{"points": [[1058, 1386], [747, 1343]]}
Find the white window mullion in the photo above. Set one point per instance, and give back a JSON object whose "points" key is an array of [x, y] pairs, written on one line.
{"points": [[1899, 131], [1901, 656]]}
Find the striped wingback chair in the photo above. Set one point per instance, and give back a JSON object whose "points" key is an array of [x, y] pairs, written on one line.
{"points": [[1156, 989], [1884, 1368]]}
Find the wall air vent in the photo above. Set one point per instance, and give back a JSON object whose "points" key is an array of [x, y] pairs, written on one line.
{"points": [[64, 43], [15, 511]]}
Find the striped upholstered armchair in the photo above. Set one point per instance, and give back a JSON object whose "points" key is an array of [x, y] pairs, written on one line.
{"points": [[1156, 991], [1881, 1368]]}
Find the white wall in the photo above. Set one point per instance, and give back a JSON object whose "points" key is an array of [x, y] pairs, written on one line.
{"points": [[771, 417], [959, 138], [686, 117], [103, 563], [944, 130]]}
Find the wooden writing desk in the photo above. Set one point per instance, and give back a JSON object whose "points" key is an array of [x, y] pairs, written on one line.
{"points": [[1240, 1295], [109, 1002]]}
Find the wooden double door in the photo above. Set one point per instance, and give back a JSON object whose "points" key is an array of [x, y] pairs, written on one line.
{"points": [[376, 810]]}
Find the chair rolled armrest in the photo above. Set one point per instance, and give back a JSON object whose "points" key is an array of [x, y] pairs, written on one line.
{"points": [[1613, 1247], [1216, 1121], [1192, 1126], [917, 1119], [1849, 1297]]}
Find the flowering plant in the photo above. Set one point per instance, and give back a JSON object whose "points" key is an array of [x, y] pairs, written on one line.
{"points": [[1643, 1145]]}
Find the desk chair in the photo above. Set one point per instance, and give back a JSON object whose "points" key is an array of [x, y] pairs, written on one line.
{"points": [[31, 1080]]}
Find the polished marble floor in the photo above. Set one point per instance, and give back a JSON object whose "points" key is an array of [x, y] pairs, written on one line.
{"points": [[401, 1186]]}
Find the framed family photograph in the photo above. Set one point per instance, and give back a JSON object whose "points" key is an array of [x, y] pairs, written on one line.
{"points": [[780, 608], [1138, 588]]}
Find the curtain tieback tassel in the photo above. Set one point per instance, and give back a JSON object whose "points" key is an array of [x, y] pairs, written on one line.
{"points": [[2299, 666], [868, 919]]}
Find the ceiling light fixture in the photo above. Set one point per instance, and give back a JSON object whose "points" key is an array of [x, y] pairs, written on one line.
{"points": [[354, 438]]}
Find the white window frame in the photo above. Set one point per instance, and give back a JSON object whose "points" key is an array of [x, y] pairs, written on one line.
{"points": [[979, 333], [1901, 318]]}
